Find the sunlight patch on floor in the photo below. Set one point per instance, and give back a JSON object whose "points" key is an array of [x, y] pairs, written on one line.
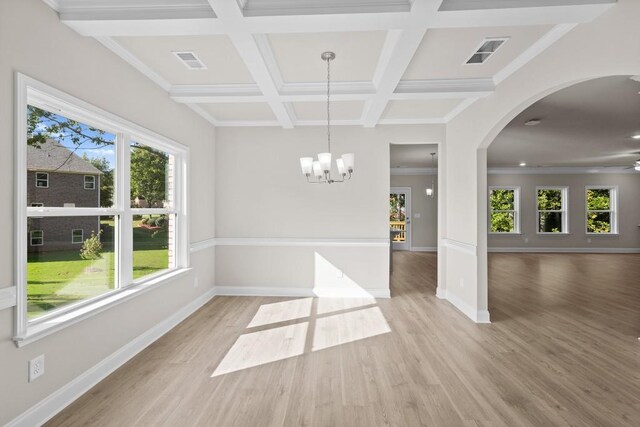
{"points": [[281, 312], [259, 348], [348, 327]]}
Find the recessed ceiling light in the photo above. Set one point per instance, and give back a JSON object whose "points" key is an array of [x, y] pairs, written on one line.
{"points": [[523, 164], [532, 122], [636, 136]]}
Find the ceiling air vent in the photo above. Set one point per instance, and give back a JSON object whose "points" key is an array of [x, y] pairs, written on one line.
{"points": [[486, 49], [190, 60]]}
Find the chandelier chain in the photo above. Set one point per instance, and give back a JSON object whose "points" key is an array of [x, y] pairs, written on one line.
{"points": [[328, 103]]}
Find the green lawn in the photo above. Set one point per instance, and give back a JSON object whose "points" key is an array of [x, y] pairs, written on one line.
{"points": [[58, 278]]}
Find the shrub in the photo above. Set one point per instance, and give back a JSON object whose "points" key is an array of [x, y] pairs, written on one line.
{"points": [[161, 221], [92, 247]]}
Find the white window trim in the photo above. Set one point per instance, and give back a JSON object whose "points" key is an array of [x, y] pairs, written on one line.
{"points": [[613, 208], [31, 237], [81, 236], [30, 91], [93, 183], [516, 211], [564, 210], [40, 179]]}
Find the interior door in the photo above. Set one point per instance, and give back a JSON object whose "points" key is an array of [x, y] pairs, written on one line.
{"points": [[400, 218]]}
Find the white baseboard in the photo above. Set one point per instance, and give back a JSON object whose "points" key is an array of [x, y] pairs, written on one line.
{"points": [[61, 398], [424, 249], [569, 250], [478, 316], [263, 291]]}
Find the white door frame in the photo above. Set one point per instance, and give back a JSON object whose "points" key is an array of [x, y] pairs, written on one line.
{"points": [[406, 245], [442, 206]]}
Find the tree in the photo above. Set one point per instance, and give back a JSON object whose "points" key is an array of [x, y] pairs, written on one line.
{"points": [[502, 200], [106, 179], [92, 247], [148, 174], [598, 200]]}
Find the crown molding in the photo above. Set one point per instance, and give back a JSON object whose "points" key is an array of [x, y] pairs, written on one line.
{"points": [[561, 171], [253, 8], [413, 171], [444, 88]]}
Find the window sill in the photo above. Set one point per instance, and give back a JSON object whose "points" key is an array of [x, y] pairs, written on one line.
{"points": [[601, 234], [49, 326], [553, 234], [505, 234]]}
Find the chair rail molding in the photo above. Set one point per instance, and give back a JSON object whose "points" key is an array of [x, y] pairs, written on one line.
{"points": [[8, 297]]}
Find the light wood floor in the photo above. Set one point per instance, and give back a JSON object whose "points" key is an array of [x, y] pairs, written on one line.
{"points": [[563, 349]]}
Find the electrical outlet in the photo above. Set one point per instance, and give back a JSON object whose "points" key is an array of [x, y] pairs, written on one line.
{"points": [[339, 274], [462, 282], [36, 367], [589, 240], [417, 215], [196, 282], [526, 240]]}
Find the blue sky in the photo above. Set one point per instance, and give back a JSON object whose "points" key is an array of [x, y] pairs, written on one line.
{"points": [[86, 147]]}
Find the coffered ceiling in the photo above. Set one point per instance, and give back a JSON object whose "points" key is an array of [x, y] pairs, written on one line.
{"points": [[397, 61]]}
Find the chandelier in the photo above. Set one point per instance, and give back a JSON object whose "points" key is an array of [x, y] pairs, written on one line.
{"points": [[432, 191], [320, 169]]}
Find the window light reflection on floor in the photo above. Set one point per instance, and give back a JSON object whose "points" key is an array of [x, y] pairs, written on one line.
{"points": [[259, 348]]}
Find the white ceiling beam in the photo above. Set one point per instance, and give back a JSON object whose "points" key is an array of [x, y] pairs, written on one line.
{"points": [[134, 61], [160, 22], [503, 4], [257, 56], [340, 91], [534, 50], [403, 45], [521, 16]]}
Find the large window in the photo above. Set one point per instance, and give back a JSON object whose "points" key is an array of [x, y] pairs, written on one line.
{"points": [[100, 242], [552, 210], [602, 213], [504, 207]]}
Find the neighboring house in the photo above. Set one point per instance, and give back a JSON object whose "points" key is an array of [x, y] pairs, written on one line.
{"points": [[57, 177]]}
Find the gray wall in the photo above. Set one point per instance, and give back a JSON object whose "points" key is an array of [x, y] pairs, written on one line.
{"points": [[424, 230], [262, 194], [629, 211], [34, 42]]}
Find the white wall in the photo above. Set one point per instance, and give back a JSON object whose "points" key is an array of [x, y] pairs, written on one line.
{"points": [[262, 194], [571, 59], [33, 42], [628, 212], [424, 230]]}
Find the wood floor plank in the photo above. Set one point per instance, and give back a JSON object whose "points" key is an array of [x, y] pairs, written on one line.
{"points": [[562, 350]]}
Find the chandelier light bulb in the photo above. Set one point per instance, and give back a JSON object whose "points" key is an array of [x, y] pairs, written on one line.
{"points": [[317, 169], [325, 161], [306, 163]]}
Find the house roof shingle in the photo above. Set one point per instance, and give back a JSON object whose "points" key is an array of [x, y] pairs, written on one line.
{"points": [[51, 156]]}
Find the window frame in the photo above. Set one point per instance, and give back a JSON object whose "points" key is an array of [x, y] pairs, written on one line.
{"points": [[93, 183], [41, 179], [516, 211], [73, 236], [565, 210], [33, 92], [31, 237], [613, 209]]}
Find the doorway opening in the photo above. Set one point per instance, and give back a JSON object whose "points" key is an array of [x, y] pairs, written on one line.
{"points": [[413, 212]]}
